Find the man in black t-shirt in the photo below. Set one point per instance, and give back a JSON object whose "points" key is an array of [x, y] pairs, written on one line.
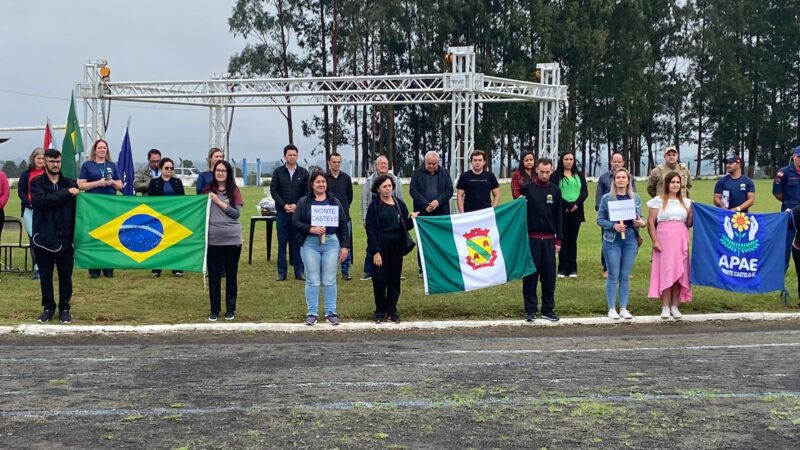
{"points": [[477, 189]]}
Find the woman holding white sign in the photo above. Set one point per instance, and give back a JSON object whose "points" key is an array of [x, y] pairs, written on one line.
{"points": [[668, 223], [620, 216], [320, 223]]}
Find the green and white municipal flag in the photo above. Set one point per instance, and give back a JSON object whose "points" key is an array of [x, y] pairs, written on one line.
{"points": [[474, 250], [123, 232]]}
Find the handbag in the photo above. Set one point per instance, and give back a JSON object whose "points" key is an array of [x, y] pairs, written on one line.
{"points": [[410, 244]]}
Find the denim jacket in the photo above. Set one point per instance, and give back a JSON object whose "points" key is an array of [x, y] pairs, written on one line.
{"points": [[609, 233]]}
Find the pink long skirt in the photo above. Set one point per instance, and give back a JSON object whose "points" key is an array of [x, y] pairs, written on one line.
{"points": [[671, 264]]}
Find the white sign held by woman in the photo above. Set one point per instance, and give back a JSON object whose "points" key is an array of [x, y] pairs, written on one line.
{"points": [[619, 210], [324, 216]]}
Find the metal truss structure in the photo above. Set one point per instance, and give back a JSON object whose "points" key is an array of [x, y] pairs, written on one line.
{"points": [[462, 88]]}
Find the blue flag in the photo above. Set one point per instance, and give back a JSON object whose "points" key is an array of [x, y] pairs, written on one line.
{"points": [[738, 251], [125, 163]]}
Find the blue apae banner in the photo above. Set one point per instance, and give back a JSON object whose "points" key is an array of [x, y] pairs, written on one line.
{"points": [[738, 251]]}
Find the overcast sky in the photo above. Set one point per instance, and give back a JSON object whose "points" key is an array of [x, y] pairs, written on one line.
{"points": [[45, 43]]}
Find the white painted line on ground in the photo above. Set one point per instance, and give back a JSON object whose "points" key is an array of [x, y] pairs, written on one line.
{"points": [[37, 329]]}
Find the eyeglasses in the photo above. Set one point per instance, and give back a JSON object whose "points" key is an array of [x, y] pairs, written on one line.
{"points": [[221, 171], [53, 162], [166, 168]]}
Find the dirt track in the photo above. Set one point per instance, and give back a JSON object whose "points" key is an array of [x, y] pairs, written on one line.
{"points": [[666, 386]]}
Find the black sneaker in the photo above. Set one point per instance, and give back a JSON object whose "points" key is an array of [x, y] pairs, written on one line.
{"points": [[280, 277], [230, 315], [332, 319], [301, 277], [94, 276], [366, 276], [394, 317], [65, 316], [46, 315], [311, 319], [213, 317], [35, 275], [551, 316], [346, 277], [380, 317], [530, 317]]}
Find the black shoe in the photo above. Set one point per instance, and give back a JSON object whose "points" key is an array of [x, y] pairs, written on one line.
{"points": [[109, 275], [230, 315], [530, 317], [346, 277], [366, 276], [35, 275], [301, 277], [380, 317], [65, 316], [394, 317], [551, 316], [46, 315], [94, 276], [280, 278], [213, 317]]}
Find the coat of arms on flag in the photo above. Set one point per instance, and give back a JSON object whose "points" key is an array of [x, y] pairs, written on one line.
{"points": [[479, 244]]}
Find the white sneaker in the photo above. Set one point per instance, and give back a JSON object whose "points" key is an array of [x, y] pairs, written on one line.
{"points": [[625, 314], [665, 312], [612, 314], [675, 313]]}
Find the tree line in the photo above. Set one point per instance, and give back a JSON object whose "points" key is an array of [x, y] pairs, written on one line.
{"points": [[717, 76]]}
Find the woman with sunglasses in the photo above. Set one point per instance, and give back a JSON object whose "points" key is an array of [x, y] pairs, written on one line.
{"points": [[166, 184]]}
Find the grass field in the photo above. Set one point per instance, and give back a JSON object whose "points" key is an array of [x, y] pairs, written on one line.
{"points": [[133, 297]]}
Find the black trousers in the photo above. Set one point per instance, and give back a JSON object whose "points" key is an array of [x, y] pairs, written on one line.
{"points": [[63, 262], [106, 272], [386, 279], [602, 257], [223, 257], [568, 256], [543, 252]]}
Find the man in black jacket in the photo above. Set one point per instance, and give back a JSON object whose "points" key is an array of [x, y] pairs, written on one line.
{"points": [[431, 188], [53, 200], [341, 186], [289, 183], [544, 237]]}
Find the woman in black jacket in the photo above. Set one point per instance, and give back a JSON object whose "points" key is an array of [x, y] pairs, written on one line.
{"points": [[166, 184], [387, 224], [573, 194], [321, 247]]}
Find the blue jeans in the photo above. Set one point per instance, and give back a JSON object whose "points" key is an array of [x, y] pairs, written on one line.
{"points": [[321, 262], [286, 234], [620, 256]]}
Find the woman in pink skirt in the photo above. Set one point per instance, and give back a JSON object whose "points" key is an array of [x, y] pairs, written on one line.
{"points": [[668, 223]]}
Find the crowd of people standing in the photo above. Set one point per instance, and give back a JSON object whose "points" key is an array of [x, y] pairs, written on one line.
{"points": [[555, 193]]}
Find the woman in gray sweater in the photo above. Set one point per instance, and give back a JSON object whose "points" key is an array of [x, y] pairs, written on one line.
{"points": [[224, 239]]}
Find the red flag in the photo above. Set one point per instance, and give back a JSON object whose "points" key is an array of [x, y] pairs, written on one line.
{"points": [[48, 136]]}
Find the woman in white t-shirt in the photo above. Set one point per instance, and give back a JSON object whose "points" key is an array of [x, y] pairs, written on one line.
{"points": [[668, 223]]}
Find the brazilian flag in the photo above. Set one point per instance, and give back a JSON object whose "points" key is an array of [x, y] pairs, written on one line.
{"points": [[122, 232]]}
